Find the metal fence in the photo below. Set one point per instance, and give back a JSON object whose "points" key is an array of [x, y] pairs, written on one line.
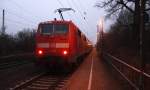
{"points": [[131, 74]]}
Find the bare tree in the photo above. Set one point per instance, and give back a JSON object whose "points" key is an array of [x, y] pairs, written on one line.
{"points": [[125, 18], [114, 7], [26, 40]]}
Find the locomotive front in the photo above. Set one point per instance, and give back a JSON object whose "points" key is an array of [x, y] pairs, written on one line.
{"points": [[52, 40]]}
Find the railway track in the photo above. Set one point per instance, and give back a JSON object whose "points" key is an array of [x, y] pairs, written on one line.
{"points": [[12, 61], [44, 81], [8, 65]]}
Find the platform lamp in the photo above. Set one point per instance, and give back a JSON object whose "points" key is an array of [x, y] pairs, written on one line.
{"points": [[100, 31]]}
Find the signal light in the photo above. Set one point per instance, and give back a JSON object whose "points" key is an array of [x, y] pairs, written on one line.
{"points": [[40, 52], [65, 52]]}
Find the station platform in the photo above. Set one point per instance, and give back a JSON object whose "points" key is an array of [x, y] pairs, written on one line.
{"points": [[94, 74]]}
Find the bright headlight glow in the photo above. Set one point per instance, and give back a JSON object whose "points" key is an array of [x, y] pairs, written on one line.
{"points": [[40, 52], [65, 52]]}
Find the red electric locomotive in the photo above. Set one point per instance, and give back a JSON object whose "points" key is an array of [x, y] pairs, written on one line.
{"points": [[60, 39]]}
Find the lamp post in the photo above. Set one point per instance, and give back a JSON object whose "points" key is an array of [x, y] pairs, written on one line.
{"points": [[100, 30]]}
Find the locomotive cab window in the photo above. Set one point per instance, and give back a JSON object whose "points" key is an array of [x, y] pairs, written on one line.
{"points": [[61, 28], [46, 29]]}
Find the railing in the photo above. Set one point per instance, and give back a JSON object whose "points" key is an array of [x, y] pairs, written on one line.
{"points": [[129, 73]]}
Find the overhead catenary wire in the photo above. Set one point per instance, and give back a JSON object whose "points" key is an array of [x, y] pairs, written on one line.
{"points": [[19, 22], [21, 17], [78, 9], [61, 4], [29, 13], [82, 5], [25, 20], [35, 17], [19, 26], [83, 17], [70, 6], [76, 16], [80, 13]]}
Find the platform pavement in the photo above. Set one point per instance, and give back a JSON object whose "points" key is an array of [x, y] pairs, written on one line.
{"points": [[94, 74]]}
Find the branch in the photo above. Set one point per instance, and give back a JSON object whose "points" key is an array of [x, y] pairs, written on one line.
{"points": [[147, 5], [112, 12], [147, 9], [104, 4], [125, 5]]}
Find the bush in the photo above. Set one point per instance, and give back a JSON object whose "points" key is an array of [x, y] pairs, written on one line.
{"points": [[23, 41]]}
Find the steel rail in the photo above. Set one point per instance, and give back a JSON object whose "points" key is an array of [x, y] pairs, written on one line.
{"points": [[52, 83], [15, 55], [17, 87]]}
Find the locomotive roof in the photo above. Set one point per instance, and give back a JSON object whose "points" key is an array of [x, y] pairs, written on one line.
{"points": [[56, 21], [64, 22]]}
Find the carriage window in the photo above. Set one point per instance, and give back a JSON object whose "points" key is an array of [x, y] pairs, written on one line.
{"points": [[61, 28], [46, 29], [84, 38], [79, 33]]}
